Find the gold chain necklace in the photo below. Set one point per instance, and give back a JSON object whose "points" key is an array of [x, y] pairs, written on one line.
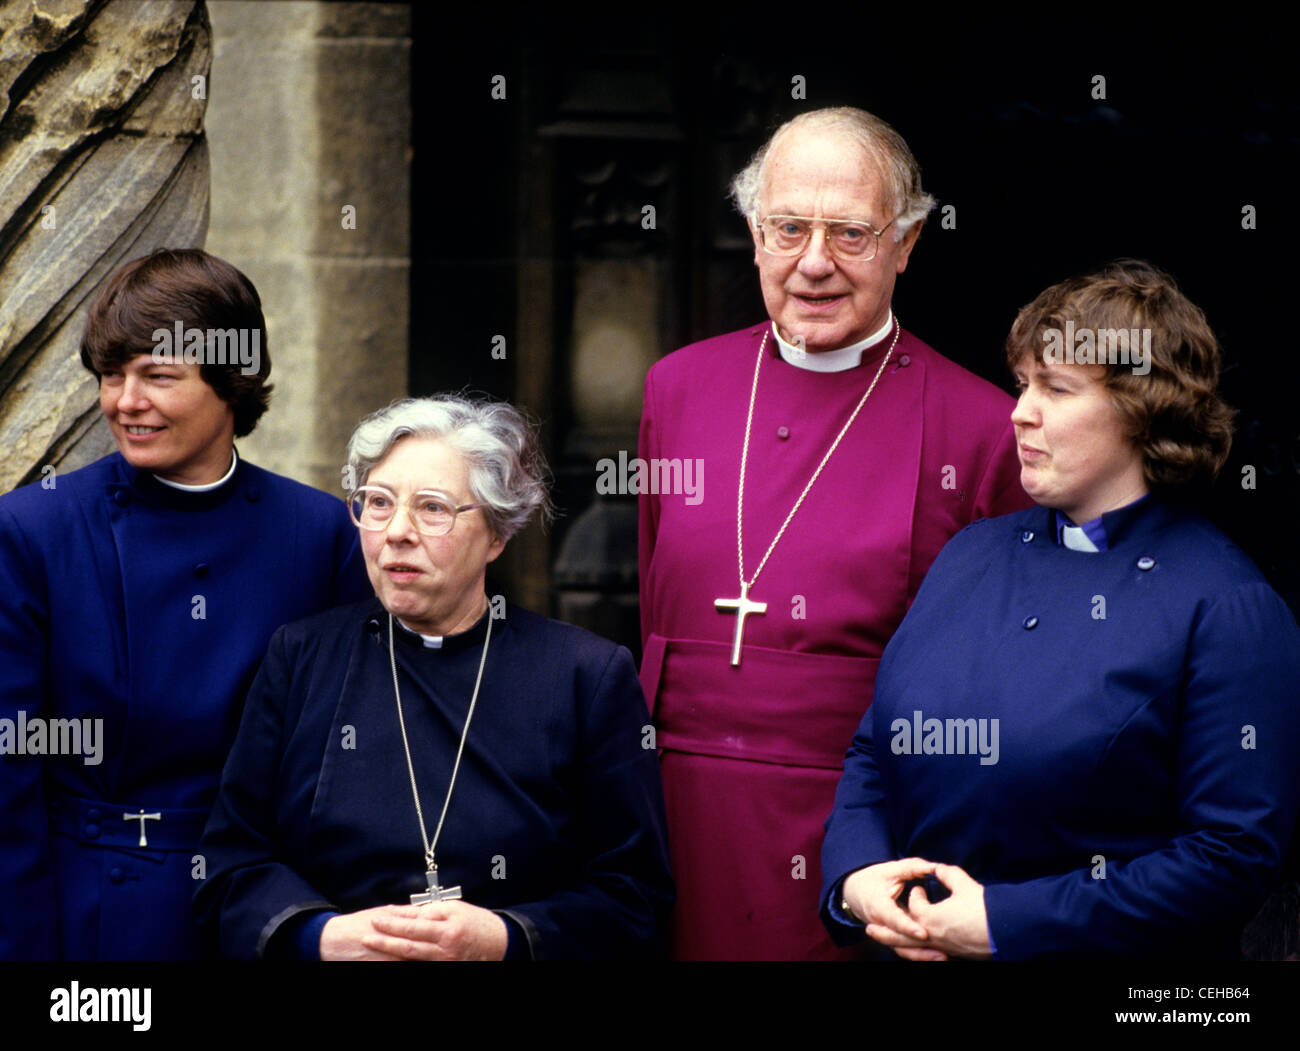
{"points": [[742, 605]]}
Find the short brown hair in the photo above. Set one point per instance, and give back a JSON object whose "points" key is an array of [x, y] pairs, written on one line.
{"points": [[1173, 413], [189, 286]]}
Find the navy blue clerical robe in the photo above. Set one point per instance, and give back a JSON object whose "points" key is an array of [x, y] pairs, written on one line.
{"points": [[133, 617], [556, 819], [1107, 741]]}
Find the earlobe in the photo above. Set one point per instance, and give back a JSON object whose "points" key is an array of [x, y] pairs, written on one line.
{"points": [[495, 548], [909, 242]]}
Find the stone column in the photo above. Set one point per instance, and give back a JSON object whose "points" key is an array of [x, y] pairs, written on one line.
{"points": [[310, 130], [102, 159]]}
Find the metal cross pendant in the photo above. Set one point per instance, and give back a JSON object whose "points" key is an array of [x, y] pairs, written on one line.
{"points": [[742, 607], [142, 817], [435, 892]]}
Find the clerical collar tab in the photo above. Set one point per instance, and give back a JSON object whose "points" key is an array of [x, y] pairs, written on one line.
{"points": [[840, 360], [1089, 537], [1076, 539]]}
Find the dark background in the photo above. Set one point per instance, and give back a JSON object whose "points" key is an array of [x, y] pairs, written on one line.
{"points": [[608, 112]]}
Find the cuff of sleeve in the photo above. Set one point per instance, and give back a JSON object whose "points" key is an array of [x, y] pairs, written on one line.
{"points": [[833, 903], [1015, 932], [518, 945], [299, 937]]}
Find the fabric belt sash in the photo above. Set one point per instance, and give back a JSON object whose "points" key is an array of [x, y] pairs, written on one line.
{"points": [[778, 706], [93, 821]]}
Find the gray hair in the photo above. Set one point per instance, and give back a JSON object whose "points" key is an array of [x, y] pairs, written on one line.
{"points": [[879, 142], [507, 471]]}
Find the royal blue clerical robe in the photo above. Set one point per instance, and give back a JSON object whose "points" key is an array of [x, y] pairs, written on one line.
{"points": [[556, 818], [1107, 741], [142, 610], [751, 754]]}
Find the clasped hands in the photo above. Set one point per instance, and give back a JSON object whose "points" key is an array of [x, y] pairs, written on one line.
{"points": [[445, 930], [924, 930]]}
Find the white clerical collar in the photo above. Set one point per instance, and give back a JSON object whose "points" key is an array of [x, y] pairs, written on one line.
{"points": [[434, 642], [840, 360], [1076, 539], [234, 461]]}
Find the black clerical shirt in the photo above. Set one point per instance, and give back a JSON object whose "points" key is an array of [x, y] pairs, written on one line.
{"points": [[557, 815]]}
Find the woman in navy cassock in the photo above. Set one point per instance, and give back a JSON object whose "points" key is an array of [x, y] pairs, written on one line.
{"points": [[1084, 732], [432, 774], [137, 596]]}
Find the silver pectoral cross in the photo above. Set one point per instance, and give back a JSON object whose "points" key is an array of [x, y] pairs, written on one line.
{"points": [[435, 892], [142, 817], [742, 607]]}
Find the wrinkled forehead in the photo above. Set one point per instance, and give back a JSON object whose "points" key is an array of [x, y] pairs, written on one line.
{"points": [[811, 171]]}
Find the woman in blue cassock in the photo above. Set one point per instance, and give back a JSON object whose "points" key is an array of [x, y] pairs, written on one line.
{"points": [[137, 596], [431, 774], [1084, 732]]}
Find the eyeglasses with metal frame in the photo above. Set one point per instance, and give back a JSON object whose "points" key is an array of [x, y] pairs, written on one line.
{"points": [[433, 513], [852, 240]]}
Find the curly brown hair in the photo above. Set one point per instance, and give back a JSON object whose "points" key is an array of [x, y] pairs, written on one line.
{"points": [[1173, 413], [189, 286]]}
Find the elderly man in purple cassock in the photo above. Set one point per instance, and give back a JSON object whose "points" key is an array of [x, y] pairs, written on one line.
{"points": [[842, 453]]}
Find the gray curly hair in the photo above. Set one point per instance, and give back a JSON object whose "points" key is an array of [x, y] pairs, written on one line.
{"points": [[507, 471], [881, 143]]}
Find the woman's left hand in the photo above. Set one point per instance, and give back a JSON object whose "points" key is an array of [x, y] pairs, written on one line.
{"points": [[958, 925], [447, 930]]}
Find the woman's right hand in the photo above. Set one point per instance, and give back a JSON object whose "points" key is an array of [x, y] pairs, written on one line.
{"points": [[871, 896]]}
